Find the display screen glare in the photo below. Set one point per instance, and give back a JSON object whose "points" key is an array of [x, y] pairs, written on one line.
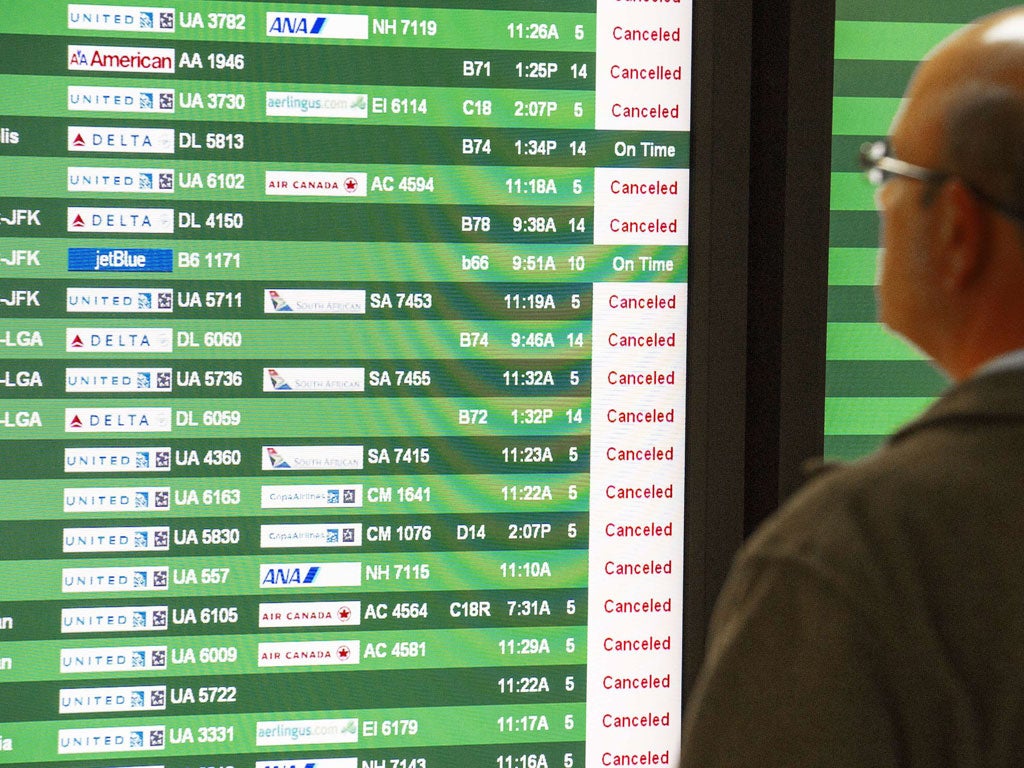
{"points": [[342, 359]]}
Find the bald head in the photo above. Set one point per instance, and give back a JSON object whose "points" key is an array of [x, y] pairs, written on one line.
{"points": [[952, 277]]}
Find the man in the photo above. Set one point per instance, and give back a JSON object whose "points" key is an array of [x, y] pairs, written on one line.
{"points": [[878, 618]]}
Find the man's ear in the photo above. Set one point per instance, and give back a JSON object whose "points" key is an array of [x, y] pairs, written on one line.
{"points": [[960, 235]]}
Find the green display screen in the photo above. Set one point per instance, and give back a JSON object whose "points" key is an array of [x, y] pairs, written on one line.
{"points": [[874, 381], [342, 360]]}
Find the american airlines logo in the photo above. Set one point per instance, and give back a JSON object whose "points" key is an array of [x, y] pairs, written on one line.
{"points": [[107, 58]]}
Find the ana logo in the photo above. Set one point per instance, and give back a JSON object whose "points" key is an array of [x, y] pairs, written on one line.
{"points": [[105, 58], [120, 259], [116, 18], [329, 762], [158, 141], [334, 26], [302, 575], [138, 220], [91, 98]]}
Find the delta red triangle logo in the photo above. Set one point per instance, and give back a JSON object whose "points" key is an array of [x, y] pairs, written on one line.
{"points": [[78, 221], [77, 342], [78, 141], [76, 422]]}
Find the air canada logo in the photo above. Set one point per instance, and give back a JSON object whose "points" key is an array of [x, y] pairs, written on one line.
{"points": [[316, 183]]}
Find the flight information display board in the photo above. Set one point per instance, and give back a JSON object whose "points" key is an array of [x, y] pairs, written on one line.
{"points": [[342, 351], [874, 380]]}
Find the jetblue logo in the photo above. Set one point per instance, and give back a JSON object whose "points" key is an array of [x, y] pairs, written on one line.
{"points": [[117, 18], [120, 260], [94, 98], [332, 26]]}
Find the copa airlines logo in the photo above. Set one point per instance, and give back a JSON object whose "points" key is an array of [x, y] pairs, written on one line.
{"points": [[353, 106], [78, 741], [117, 419], [279, 733], [142, 181], [297, 535], [324, 614], [122, 618], [306, 575], [117, 459], [134, 500], [127, 340], [136, 698], [97, 98], [120, 260], [306, 183], [109, 58], [132, 659], [304, 458], [328, 26], [310, 496], [331, 653], [120, 18], [310, 762], [133, 300], [125, 539], [157, 221], [150, 141], [117, 579], [118, 379], [314, 302], [314, 379]]}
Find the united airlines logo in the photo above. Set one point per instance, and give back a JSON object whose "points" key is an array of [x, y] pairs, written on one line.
{"points": [[116, 579], [131, 659], [314, 302], [133, 499], [333, 26], [312, 457], [139, 698], [310, 535], [306, 575], [121, 300], [95, 98], [117, 419], [311, 183], [157, 221], [316, 614], [125, 618], [308, 654], [151, 141], [118, 380], [124, 539], [73, 741], [310, 496], [121, 180], [107, 58], [126, 340], [314, 379], [120, 18], [120, 260], [116, 459]]}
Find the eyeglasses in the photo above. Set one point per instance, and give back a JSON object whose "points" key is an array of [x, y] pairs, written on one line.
{"points": [[880, 167]]}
